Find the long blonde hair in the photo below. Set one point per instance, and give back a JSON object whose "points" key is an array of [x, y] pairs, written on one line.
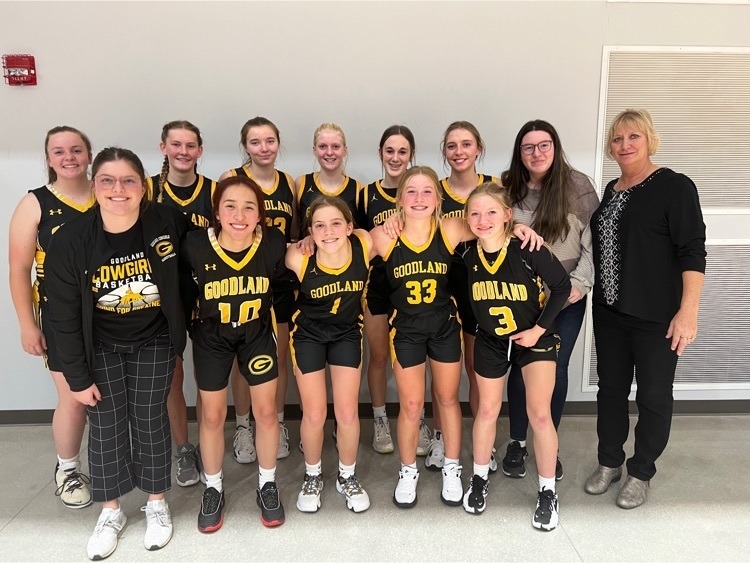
{"points": [[499, 194], [417, 171]]}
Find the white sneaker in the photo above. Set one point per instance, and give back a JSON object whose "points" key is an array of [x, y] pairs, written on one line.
{"points": [[381, 440], [158, 525], [103, 540], [405, 495], [72, 488], [425, 437], [453, 489], [435, 453], [493, 461], [308, 499], [244, 445], [283, 442], [357, 499]]}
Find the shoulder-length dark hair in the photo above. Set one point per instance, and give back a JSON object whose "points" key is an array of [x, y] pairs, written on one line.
{"points": [[551, 217], [249, 183]]}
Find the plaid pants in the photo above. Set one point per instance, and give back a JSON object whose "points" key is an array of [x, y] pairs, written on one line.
{"points": [[129, 436]]}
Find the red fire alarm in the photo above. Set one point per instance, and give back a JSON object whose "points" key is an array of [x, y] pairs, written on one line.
{"points": [[19, 70]]}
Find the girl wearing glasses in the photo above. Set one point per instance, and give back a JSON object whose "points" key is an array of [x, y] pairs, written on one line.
{"points": [[179, 185], [39, 214], [462, 146], [557, 201], [113, 277], [261, 141]]}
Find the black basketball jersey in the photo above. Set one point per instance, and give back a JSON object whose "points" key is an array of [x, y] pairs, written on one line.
{"points": [[335, 295], [57, 209], [453, 204], [234, 289], [279, 200], [507, 295], [193, 200], [348, 191], [418, 275], [379, 203]]}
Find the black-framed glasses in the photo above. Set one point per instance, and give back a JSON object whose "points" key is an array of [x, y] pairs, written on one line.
{"points": [[544, 146]]}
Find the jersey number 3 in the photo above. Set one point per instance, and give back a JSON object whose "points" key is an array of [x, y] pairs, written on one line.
{"points": [[505, 318], [423, 292]]}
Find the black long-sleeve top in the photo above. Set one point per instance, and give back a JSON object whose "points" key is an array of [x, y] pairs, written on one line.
{"points": [[643, 239]]}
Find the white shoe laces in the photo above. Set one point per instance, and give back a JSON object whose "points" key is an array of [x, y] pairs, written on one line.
{"points": [[160, 517], [108, 521], [243, 439], [382, 429]]}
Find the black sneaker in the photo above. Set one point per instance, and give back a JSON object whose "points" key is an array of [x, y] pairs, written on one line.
{"points": [[475, 497], [559, 474], [210, 517], [513, 462], [545, 515], [271, 509]]}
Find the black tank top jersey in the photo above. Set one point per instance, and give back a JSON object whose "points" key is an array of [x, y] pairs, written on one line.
{"points": [[507, 296], [418, 276], [453, 204], [348, 191], [335, 296], [57, 209], [234, 287], [379, 203], [193, 200], [279, 200]]}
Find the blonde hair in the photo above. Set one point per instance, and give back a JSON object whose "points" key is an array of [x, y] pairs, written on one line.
{"points": [[419, 171], [641, 120], [329, 127], [500, 194]]}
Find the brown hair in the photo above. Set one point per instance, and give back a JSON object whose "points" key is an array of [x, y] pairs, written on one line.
{"points": [[329, 201], [249, 124], [51, 174], [113, 154], [467, 126], [179, 124], [417, 171], [551, 215], [499, 194], [249, 183]]}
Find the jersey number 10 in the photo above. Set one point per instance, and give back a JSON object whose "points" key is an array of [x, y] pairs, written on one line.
{"points": [[248, 311]]}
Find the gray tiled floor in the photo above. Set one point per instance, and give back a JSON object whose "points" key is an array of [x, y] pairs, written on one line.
{"points": [[697, 509]]}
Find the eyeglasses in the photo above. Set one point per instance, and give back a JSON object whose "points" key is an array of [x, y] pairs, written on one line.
{"points": [[544, 146], [108, 182]]}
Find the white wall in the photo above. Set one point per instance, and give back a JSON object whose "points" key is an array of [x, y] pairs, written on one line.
{"points": [[119, 70]]}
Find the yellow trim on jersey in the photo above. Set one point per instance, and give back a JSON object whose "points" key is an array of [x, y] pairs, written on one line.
{"points": [[390, 249], [365, 250], [342, 269], [500, 257], [303, 267], [418, 249], [69, 202], [185, 202], [379, 187], [481, 179], [391, 338], [268, 191], [229, 261], [337, 191], [295, 366], [447, 243]]}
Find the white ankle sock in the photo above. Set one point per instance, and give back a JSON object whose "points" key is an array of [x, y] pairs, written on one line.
{"points": [[547, 483], [72, 464], [522, 443], [347, 471], [243, 420], [448, 461], [216, 481], [482, 470], [412, 467], [314, 469], [266, 476], [378, 412], [281, 416]]}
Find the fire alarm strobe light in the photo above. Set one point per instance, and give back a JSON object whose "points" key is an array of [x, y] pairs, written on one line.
{"points": [[19, 70]]}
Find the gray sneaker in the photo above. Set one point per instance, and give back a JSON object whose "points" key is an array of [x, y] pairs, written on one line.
{"points": [[600, 480], [633, 493], [381, 439], [187, 465]]}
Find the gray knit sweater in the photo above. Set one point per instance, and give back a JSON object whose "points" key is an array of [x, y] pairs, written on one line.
{"points": [[575, 250]]}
